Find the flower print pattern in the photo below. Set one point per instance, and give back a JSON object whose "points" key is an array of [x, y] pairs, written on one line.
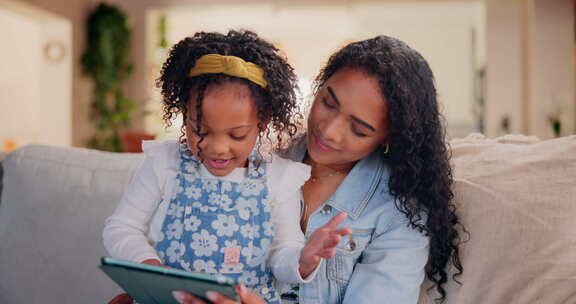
{"points": [[267, 204], [175, 210], [226, 203], [214, 199], [192, 223], [225, 225], [210, 185], [193, 192], [207, 215], [174, 230], [254, 255], [248, 278], [191, 169], [251, 187], [226, 186], [204, 208], [207, 266], [250, 231], [247, 207], [238, 268], [175, 251], [204, 243], [268, 228], [229, 244]]}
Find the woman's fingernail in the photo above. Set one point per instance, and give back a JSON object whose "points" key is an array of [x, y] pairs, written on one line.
{"points": [[212, 296], [179, 296]]}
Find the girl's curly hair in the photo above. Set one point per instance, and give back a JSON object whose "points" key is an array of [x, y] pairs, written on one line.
{"points": [[421, 176], [276, 104]]}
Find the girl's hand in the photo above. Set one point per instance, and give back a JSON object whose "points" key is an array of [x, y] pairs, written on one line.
{"points": [[321, 244], [246, 296]]}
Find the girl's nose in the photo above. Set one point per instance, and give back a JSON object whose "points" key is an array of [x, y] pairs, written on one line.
{"points": [[218, 147]]}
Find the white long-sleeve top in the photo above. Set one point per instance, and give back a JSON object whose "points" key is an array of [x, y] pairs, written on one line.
{"points": [[135, 226]]}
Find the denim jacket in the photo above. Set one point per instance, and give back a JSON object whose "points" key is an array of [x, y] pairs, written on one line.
{"points": [[384, 259]]}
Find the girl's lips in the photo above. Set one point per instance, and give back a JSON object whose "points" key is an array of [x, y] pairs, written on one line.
{"points": [[218, 163], [321, 145]]}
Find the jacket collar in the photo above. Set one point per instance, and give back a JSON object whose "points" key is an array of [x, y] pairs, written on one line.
{"points": [[354, 193]]}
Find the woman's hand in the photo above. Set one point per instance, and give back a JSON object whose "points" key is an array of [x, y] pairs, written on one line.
{"points": [[246, 297], [124, 298], [321, 244]]}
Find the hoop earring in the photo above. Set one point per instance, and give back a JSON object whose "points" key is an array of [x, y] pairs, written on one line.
{"points": [[386, 149]]}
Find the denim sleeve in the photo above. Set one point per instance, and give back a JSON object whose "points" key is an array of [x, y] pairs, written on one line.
{"points": [[391, 268]]}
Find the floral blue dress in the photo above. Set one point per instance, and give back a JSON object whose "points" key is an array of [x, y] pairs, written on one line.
{"points": [[220, 227]]}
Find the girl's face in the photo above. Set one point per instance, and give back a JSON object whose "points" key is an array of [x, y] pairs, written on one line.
{"points": [[348, 119], [229, 127]]}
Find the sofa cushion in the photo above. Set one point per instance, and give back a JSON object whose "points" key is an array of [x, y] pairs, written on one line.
{"points": [[53, 208], [517, 198]]}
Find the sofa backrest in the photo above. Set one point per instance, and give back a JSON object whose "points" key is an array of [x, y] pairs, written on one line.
{"points": [[53, 208], [517, 198], [515, 195]]}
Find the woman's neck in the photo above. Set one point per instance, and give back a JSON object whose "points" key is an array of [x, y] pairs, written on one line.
{"points": [[319, 170]]}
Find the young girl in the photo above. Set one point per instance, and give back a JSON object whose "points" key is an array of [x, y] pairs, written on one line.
{"points": [[213, 202]]}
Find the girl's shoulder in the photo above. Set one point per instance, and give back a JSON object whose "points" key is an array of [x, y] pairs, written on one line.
{"points": [[284, 173], [165, 153], [155, 147]]}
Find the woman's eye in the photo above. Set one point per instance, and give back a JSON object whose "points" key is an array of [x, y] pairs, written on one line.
{"points": [[358, 133], [238, 138]]}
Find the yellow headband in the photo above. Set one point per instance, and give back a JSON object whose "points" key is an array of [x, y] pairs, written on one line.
{"points": [[229, 65]]}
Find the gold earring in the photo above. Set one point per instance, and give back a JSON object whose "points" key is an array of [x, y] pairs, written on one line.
{"points": [[386, 149]]}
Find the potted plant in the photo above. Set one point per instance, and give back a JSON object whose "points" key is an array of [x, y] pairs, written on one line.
{"points": [[105, 60]]}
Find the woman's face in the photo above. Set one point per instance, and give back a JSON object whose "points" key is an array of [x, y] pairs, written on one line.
{"points": [[348, 119]]}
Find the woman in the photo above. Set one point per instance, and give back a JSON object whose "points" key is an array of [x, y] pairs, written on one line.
{"points": [[375, 143]]}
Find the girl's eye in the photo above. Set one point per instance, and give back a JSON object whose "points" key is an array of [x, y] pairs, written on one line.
{"points": [[200, 133], [327, 104]]}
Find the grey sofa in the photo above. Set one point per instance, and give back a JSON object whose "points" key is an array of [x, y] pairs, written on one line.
{"points": [[516, 195]]}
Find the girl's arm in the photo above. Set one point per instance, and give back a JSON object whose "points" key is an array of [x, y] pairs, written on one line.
{"points": [[292, 258], [125, 232]]}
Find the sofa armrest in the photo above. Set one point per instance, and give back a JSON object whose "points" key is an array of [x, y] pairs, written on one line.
{"points": [[54, 204]]}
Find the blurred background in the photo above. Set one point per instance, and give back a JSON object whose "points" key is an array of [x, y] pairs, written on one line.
{"points": [[501, 66]]}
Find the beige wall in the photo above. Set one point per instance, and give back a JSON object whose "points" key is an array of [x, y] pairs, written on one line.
{"points": [[34, 86], [508, 65], [530, 57], [75, 12], [442, 32]]}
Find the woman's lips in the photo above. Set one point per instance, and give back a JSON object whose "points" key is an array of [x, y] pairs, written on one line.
{"points": [[218, 163], [321, 145]]}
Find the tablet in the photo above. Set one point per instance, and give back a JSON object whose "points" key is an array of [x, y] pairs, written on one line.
{"points": [[149, 284]]}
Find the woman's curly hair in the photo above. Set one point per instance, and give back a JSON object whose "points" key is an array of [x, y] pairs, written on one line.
{"points": [[418, 158], [276, 104]]}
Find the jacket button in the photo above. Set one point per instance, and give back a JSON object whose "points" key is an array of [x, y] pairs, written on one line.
{"points": [[326, 209], [351, 245]]}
